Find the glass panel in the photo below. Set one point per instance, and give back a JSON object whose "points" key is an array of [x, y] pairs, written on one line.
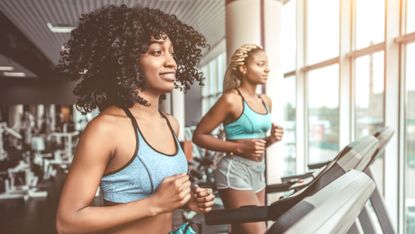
{"points": [[214, 72], [322, 30], [205, 89], [410, 140], [370, 22], [205, 72], [212, 77], [410, 16], [289, 99], [323, 113], [221, 71], [369, 86], [288, 33]]}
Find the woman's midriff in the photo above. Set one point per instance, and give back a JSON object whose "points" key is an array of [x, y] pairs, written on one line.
{"points": [[160, 224]]}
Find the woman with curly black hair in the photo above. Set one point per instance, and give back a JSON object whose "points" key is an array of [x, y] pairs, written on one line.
{"points": [[124, 60]]}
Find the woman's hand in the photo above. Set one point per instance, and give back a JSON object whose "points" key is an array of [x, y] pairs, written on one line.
{"points": [[172, 193], [201, 200], [277, 133], [253, 149]]}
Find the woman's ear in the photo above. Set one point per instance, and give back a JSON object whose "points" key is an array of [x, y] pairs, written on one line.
{"points": [[242, 69]]}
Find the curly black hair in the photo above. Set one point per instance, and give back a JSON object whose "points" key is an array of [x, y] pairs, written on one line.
{"points": [[103, 51]]}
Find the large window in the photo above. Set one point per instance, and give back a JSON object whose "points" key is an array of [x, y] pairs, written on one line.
{"points": [[410, 16], [323, 113], [410, 140], [370, 22], [322, 30], [288, 34], [355, 44], [214, 72], [369, 103], [289, 100]]}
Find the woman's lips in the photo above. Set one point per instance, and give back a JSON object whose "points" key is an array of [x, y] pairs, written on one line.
{"points": [[169, 76]]}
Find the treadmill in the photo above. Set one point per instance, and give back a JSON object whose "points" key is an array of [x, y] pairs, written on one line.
{"points": [[348, 158]]}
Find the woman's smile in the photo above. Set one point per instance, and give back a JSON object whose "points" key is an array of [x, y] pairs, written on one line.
{"points": [[168, 76]]}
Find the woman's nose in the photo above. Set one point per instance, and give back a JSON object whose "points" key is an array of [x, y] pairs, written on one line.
{"points": [[170, 61]]}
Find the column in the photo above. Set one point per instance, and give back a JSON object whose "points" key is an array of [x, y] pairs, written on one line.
{"points": [[259, 22], [177, 105]]}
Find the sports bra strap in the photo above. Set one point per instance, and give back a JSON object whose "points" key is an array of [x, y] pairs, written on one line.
{"points": [[130, 115], [259, 96], [168, 123], [263, 103], [240, 94]]}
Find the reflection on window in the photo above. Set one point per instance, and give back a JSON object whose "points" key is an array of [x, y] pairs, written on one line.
{"points": [[370, 22], [369, 80], [410, 140], [289, 99], [410, 16], [214, 72], [322, 30], [288, 33], [369, 92], [323, 113]]}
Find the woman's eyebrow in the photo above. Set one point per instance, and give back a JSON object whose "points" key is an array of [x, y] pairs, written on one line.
{"points": [[157, 42], [160, 42]]}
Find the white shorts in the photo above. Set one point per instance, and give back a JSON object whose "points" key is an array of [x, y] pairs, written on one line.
{"points": [[236, 172]]}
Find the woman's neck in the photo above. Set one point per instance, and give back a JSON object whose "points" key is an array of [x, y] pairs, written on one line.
{"points": [[150, 110], [248, 89]]}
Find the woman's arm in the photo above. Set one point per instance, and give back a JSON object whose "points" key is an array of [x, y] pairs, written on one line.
{"points": [[253, 148], [213, 118], [76, 215]]}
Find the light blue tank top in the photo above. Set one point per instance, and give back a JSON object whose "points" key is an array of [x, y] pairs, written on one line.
{"points": [[250, 124], [141, 176]]}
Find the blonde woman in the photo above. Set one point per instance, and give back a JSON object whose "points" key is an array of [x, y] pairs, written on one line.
{"points": [[246, 117]]}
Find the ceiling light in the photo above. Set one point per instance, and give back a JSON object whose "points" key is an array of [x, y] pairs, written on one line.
{"points": [[14, 74], [6, 68], [60, 28]]}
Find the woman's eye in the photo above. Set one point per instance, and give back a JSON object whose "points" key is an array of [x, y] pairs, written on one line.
{"points": [[156, 53]]}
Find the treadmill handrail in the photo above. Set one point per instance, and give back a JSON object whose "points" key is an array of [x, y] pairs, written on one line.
{"points": [[333, 214], [313, 166]]}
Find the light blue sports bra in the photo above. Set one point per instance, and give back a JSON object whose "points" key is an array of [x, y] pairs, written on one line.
{"points": [[141, 176], [250, 124]]}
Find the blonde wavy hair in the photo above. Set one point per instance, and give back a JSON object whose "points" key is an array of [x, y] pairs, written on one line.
{"points": [[239, 57]]}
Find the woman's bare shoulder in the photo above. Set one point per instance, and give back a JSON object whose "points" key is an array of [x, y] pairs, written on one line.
{"points": [[106, 124], [230, 97]]}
